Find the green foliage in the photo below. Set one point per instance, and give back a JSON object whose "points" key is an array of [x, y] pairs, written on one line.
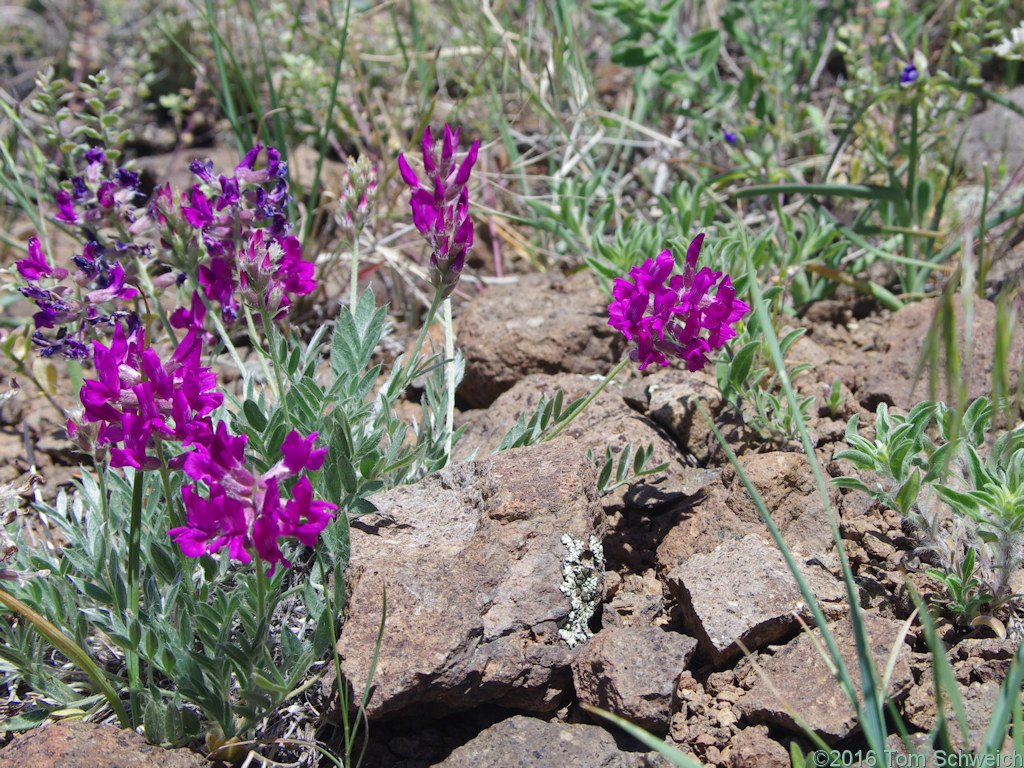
{"points": [[629, 469], [532, 428], [757, 391], [672, 65], [211, 637], [834, 398], [199, 629], [785, 46], [918, 474], [966, 595]]}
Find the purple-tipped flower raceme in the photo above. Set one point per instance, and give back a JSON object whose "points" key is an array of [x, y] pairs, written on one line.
{"points": [[358, 192], [244, 230], [440, 206], [674, 316], [242, 252]]}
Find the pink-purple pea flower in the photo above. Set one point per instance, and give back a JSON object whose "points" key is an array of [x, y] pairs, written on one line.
{"points": [[668, 315], [243, 511], [138, 398], [35, 266], [440, 206]]}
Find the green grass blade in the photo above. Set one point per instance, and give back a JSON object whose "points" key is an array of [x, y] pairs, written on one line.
{"points": [[945, 680], [70, 649], [674, 755], [1007, 707], [872, 715], [857, 191]]}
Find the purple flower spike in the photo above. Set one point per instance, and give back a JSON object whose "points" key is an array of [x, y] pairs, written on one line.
{"points": [[730, 137], [440, 206], [909, 75], [678, 319]]}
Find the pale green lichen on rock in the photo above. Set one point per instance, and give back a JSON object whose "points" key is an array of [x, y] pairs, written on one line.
{"points": [[581, 583]]}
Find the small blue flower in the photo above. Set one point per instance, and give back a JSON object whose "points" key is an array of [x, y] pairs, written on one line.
{"points": [[909, 75], [730, 137]]}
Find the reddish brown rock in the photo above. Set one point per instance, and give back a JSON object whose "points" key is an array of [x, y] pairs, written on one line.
{"points": [[607, 422], [797, 681], [785, 483], [632, 672], [474, 559], [77, 744], [524, 742], [891, 378], [752, 748], [744, 595], [673, 400], [542, 323]]}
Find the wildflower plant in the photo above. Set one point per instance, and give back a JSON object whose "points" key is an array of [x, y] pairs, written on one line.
{"points": [[440, 211], [976, 549], [207, 509]]}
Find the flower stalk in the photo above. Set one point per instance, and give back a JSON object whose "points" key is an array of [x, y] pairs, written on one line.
{"points": [[440, 211]]}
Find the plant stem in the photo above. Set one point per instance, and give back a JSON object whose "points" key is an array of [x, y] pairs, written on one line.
{"points": [[261, 591], [349, 733], [449, 355], [423, 331], [579, 408], [353, 287], [274, 379], [134, 535], [913, 284]]}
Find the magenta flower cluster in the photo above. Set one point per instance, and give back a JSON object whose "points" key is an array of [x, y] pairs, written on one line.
{"points": [[674, 316], [243, 511], [440, 206], [137, 399], [238, 238]]}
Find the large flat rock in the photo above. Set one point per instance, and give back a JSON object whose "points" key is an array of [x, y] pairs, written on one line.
{"points": [[607, 422], [525, 742], [893, 376], [742, 595], [542, 323], [797, 682], [491, 569], [77, 744]]}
